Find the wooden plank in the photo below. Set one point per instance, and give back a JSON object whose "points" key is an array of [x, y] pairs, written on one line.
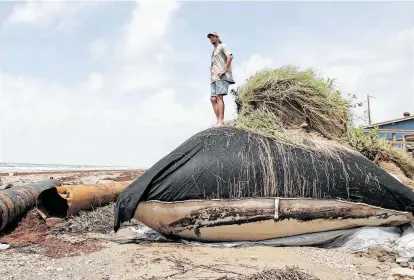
{"points": [[402, 140], [402, 131]]}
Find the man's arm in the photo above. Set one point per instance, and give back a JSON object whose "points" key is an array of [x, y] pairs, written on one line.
{"points": [[229, 60], [229, 56]]}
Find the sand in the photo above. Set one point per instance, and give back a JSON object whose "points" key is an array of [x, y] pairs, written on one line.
{"points": [[70, 177], [52, 252]]}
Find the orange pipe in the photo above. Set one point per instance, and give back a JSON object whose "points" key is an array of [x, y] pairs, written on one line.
{"points": [[67, 200]]}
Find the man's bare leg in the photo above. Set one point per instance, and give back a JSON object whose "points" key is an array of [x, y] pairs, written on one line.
{"points": [[220, 105], [213, 100]]}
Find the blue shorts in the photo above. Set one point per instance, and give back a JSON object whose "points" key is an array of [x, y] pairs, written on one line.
{"points": [[220, 87]]}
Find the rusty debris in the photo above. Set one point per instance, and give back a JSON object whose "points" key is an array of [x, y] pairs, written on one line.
{"points": [[16, 201]]}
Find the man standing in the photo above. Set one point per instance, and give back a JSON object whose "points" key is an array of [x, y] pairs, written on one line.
{"points": [[221, 75]]}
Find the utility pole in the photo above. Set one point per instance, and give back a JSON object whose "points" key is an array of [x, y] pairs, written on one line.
{"points": [[369, 109]]}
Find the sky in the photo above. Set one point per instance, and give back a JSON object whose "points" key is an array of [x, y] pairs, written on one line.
{"points": [[126, 82]]}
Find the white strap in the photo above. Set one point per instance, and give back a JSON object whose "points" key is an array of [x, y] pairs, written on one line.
{"points": [[276, 208]]}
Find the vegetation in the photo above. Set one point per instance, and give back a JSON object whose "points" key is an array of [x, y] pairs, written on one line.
{"points": [[303, 108], [378, 149], [289, 98]]}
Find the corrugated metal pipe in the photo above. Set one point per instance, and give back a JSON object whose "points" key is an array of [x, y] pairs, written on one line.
{"points": [[16, 201]]}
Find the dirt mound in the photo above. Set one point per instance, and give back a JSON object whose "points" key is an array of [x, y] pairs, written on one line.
{"points": [[33, 231]]}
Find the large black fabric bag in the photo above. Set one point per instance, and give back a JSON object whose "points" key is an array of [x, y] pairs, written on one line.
{"points": [[226, 162]]}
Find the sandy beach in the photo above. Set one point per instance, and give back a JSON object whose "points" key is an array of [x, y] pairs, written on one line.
{"points": [[85, 247], [69, 177]]}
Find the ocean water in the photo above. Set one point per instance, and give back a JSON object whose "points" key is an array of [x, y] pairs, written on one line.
{"points": [[30, 167]]}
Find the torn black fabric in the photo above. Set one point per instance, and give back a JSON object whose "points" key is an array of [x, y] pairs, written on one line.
{"points": [[225, 163]]}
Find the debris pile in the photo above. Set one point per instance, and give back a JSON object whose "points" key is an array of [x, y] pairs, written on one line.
{"points": [[44, 215], [32, 230], [293, 273], [97, 220]]}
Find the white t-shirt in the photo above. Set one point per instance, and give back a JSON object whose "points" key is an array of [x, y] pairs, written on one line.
{"points": [[218, 64]]}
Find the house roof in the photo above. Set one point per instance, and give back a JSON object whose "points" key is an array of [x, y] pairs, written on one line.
{"points": [[389, 122]]}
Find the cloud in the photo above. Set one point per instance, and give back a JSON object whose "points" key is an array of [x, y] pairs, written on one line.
{"points": [[254, 63], [141, 75], [148, 26], [47, 122], [98, 48], [144, 100], [142, 51], [130, 113], [95, 81], [47, 13]]}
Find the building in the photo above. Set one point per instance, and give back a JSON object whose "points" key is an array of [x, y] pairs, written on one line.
{"points": [[399, 131]]}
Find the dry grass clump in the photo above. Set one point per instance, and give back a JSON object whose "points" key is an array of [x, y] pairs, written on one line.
{"points": [[288, 98], [184, 265], [288, 273], [98, 220]]}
